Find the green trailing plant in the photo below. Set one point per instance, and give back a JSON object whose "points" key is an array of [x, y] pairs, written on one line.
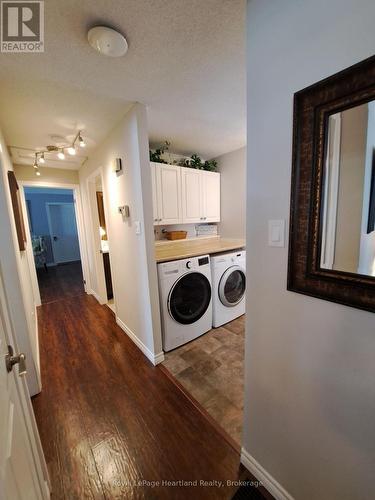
{"points": [[155, 155], [196, 162], [210, 165]]}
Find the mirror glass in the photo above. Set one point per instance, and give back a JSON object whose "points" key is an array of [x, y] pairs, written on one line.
{"points": [[348, 203]]}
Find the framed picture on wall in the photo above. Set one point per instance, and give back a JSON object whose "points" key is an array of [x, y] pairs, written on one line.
{"points": [[17, 210], [371, 209]]}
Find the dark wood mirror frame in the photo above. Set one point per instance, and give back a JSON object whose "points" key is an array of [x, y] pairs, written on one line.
{"points": [[312, 107]]}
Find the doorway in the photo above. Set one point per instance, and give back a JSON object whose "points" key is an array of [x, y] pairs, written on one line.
{"points": [[55, 246], [100, 240]]}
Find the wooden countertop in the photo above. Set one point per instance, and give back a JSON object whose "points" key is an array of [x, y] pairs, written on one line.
{"points": [[184, 249]]}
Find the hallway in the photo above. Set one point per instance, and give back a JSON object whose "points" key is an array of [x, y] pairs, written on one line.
{"points": [[60, 282], [108, 419]]}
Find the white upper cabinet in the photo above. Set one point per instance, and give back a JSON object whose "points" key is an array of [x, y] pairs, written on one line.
{"points": [[167, 199], [191, 187], [183, 195], [210, 196], [154, 195]]}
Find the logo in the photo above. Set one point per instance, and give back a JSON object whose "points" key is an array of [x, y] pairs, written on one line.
{"points": [[22, 26]]}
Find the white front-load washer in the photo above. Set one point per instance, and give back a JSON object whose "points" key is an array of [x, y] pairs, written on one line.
{"points": [[185, 300], [228, 286]]}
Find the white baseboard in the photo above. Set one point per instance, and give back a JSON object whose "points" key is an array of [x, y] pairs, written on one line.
{"points": [[269, 482], [37, 361], [154, 358], [98, 298]]}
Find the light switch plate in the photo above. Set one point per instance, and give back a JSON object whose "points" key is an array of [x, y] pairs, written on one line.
{"points": [[276, 233], [137, 224]]}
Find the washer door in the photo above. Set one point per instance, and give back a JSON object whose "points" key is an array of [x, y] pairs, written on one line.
{"points": [[189, 298], [232, 286]]}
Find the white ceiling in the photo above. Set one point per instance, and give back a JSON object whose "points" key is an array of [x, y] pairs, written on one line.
{"points": [[186, 62]]}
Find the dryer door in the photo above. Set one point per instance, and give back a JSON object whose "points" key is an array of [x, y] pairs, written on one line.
{"points": [[232, 286], [189, 298]]}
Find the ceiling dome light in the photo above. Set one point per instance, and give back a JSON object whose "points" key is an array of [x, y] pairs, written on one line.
{"points": [[41, 158], [61, 154], [71, 151], [37, 173], [107, 41]]}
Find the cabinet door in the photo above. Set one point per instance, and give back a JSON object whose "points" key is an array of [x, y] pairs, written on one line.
{"points": [[168, 181], [211, 196], [191, 195], [154, 167]]}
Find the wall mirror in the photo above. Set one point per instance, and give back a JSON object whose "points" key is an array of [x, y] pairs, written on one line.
{"points": [[332, 230]]}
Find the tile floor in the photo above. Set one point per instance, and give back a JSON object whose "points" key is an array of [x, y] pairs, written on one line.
{"points": [[211, 369]]}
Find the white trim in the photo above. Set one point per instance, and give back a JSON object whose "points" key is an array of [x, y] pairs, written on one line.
{"points": [[91, 228], [331, 193], [154, 358], [159, 358], [37, 360], [29, 249], [268, 481], [79, 219], [98, 298]]}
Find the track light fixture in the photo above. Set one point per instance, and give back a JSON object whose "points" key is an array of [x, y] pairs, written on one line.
{"points": [[60, 150], [61, 154], [81, 141]]}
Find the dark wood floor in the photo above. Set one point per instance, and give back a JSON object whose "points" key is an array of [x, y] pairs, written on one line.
{"points": [[61, 281], [110, 421]]}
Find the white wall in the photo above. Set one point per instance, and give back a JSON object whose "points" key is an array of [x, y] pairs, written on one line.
{"points": [[132, 256], [17, 279], [48, 174], [310, 371], [232, 167], [367, 247]]}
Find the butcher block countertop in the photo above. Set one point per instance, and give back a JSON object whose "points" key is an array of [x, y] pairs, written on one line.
{"points": [[183, 249]]}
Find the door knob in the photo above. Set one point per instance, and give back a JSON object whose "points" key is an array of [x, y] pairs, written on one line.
{"points": [[11, 360]]}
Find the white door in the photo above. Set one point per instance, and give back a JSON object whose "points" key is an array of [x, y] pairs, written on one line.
{"points": [[168, 179], [191, 195], [211, 196], [153, 167], [63, 230], [21, 460]]}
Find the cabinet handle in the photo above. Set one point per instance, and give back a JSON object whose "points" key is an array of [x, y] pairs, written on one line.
{"points": [[155, 220]]}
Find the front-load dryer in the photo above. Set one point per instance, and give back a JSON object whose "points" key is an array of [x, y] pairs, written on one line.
{"points": [[185, 300], [228, 286]]}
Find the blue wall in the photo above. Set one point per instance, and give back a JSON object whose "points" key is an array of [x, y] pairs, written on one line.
{"points": [[36, 199]]}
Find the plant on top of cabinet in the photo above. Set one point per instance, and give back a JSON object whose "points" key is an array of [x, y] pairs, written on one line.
{"points": [[210, 165], [196, 162], [155, 155]]}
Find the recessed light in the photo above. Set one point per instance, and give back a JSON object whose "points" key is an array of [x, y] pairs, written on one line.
{"points": [[107, 41]]}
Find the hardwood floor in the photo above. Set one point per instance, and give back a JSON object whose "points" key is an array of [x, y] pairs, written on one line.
{"points": [[61, 281], [110, 422]]}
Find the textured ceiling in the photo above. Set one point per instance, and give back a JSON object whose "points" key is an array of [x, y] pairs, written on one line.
{"points": [[186, 62]]}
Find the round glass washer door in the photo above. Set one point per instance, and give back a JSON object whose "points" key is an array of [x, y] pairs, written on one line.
{"points": [[232, 286], [189, 298]]}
